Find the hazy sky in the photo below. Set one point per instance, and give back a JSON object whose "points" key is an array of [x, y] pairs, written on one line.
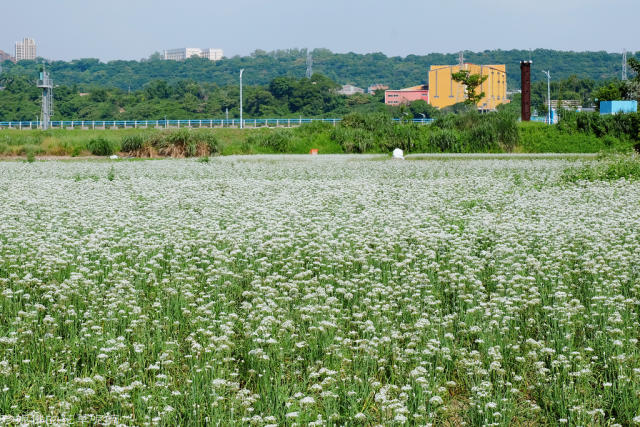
{"points": [[134, 29]]}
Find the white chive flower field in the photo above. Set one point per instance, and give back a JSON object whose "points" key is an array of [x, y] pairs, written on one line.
{"points": [[329, 290]]}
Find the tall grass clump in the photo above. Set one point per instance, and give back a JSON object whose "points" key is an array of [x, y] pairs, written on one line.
{"points": [[101, 146], [353, 140], [276, 140], [464, 132], [30, 150], [209, 141], [376, 132], [173, 143], [491, 132], [445, 140], [132, 143]]}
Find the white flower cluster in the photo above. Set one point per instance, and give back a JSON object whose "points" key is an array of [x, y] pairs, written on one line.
{"points": [[332, 290]]}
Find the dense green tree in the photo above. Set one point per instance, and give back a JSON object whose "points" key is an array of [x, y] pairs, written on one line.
{"points": [[635, 66], [259, 102], [420, 107], [632, 86], [98, 95], [280, 87], [159, 89], [611, 92]]}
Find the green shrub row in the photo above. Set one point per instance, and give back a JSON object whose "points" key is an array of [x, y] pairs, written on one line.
{"points": [[620, 126], [465, 132], [454, 133]]}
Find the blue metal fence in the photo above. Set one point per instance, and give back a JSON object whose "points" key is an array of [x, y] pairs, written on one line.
{"points": [[540, 119], [195, 123]]}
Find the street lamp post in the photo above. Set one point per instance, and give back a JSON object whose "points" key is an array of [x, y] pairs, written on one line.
{"points": [[241, 125], [548, 74]]}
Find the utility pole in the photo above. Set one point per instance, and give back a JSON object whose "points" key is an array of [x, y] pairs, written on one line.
{"points": [[241, 71], [548, 74]]}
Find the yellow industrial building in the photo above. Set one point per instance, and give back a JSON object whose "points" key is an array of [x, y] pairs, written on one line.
{"points": [[444, 91]]}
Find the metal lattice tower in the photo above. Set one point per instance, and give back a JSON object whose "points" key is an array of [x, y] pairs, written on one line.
{"points": [[624, 65], [461, 59], [46, 84], [309, 65]]}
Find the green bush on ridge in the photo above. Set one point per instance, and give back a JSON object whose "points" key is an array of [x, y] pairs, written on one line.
{"points": [[101, 146]]}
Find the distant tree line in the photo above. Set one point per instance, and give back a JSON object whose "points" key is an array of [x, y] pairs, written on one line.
{"points": [[187, 99], [344, 68], [282, 96]]}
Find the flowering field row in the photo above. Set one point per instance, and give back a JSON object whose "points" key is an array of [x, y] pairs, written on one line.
{"points": [[331, 290]]}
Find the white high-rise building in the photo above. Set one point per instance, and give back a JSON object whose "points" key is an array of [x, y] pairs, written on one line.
{"points": [[26, 49], [212, 54], [181, 54], [191, 52]]}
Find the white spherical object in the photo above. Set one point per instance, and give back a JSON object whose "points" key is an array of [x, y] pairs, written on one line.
{"points": [[398, 154]]}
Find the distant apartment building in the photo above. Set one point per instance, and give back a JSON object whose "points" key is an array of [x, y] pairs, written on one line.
{"points": [[193, 52], [445, 91], [406, 95], [4, 56], [350, 90], [26, 50], [376, 87]]}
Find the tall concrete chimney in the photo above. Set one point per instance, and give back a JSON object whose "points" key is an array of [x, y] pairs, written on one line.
{"points": [[525, 82]]}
